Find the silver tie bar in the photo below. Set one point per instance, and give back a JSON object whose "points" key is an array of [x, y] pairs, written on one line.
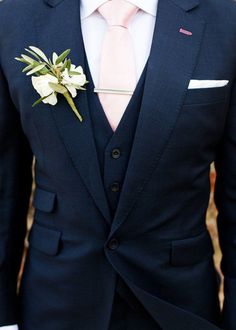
{"points": [[113, 91]]}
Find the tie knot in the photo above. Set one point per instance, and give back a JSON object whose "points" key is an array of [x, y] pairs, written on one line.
{"points": [[118, 12]]}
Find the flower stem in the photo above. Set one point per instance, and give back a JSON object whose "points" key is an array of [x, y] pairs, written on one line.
{"points": [[72, 105]]}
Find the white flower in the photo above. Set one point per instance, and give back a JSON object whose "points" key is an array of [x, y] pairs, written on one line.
{"points": [[53, 76], [41, 84], [73, 82]]}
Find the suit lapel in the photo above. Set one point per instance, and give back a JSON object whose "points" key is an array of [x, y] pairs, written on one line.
{"points": [[59, 28], [171, 63]]}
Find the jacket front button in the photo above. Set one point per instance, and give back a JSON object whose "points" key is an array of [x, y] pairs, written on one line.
{"points": [[113, 244]]}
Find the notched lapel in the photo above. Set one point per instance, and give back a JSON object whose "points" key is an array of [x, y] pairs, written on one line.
{"points": [[186, 4], [53, 3], [59, 29], [170, 67]]}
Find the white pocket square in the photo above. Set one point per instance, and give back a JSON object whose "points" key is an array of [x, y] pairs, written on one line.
{"points": [[194, 83]]}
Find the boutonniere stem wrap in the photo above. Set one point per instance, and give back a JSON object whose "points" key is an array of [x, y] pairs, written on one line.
{"points": [[51, 77]]}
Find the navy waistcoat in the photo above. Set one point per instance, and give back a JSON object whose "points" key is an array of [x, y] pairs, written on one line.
{"points": [[113, 148]]}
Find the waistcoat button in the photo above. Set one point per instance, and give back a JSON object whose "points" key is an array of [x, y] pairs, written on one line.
{"points": [[116, 153], [115, 187]]}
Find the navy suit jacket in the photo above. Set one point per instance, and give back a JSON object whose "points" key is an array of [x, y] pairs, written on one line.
{"points": [[163, 250]]}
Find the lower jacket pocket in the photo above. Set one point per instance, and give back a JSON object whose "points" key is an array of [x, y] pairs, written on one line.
{"points": [[192, 250], [44, 239]]}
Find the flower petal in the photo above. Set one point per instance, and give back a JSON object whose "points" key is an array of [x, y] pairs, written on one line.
{"points": [[79, 80], [72, 90], [79, 69], [52, 99], [73, 67], [41, 85]]}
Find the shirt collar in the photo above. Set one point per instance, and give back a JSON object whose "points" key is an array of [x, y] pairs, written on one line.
{"points": [[149, 6], [87, 7]]}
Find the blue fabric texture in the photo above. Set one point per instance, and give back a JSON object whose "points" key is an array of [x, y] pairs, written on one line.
{"points": [[146, 236]]}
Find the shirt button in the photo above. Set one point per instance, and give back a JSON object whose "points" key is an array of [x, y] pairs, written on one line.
{"points": [[113, 244], [115, 187], [116, 153]]}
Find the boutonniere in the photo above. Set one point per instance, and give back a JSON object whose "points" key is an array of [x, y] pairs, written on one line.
{"points": [[51, 77]]}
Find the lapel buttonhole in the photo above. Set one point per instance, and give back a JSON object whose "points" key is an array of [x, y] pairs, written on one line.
{"points": [[186, 32]]}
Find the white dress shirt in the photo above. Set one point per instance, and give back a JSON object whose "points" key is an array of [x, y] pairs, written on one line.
{"points": [[94, 28]]}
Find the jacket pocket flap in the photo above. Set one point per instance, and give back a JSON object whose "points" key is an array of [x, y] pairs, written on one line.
{"points": [[44, 200], [44, 239], [191, 250]]}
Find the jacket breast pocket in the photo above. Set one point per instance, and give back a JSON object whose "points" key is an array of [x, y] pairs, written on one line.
{"points": [[44, 200], [206, 95], [192, 250]]}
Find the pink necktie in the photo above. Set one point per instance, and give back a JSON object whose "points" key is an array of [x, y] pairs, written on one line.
{"points": [[117, 71]]}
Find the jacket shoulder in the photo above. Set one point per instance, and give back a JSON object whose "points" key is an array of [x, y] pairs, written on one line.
{"points": [[220, 11], [16, 4], [15, 16], [12, 12], [15, 7]]}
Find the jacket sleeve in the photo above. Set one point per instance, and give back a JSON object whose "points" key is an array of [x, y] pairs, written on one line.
{"points": [[225, 198], [15, 188]]}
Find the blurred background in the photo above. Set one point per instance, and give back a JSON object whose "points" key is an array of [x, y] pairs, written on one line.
{"points": [[211, 224]]}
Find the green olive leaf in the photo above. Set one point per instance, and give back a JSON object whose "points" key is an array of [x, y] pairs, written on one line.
{"points": [[40, 100], [62, 56], [39, 52], [36, 69]]}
